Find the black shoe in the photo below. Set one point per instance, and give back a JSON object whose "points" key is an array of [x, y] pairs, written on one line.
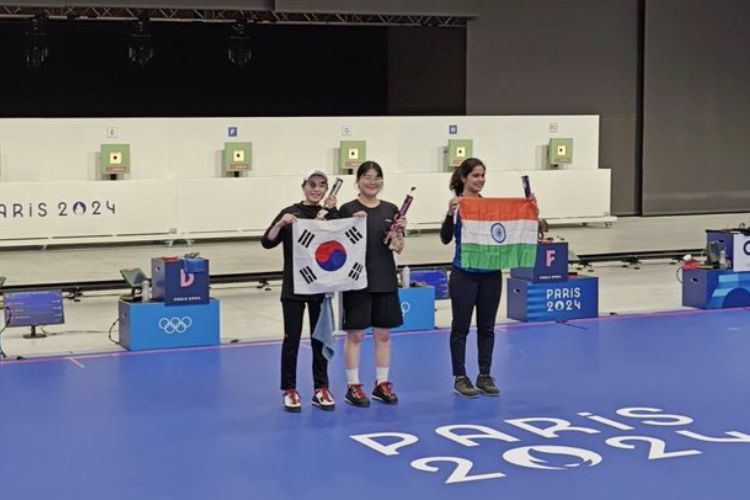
{"points": [[487, 386], [355, 396], [464, 387], [385, 393]]}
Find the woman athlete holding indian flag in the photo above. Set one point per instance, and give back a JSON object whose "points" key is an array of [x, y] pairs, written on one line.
{"points": [[470, 288]]}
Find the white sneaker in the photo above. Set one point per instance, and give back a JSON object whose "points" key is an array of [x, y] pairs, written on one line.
{"points": [[291, 401], [323, 399]]}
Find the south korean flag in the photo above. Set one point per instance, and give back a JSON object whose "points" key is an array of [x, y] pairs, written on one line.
{"points": [[329, 256]]}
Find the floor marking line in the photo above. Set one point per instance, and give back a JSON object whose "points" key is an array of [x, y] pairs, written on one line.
{"points": [[579, 327], [76, 362], [506, 327]]}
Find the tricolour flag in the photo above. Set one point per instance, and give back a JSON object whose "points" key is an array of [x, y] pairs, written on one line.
{"points": [[329, 255], [497, 233]]}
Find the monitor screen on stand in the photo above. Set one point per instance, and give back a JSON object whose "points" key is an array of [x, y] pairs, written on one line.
{"points": [[34, 308]]}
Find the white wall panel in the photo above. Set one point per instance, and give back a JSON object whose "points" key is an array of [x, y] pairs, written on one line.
{"points": [[175, 185]]}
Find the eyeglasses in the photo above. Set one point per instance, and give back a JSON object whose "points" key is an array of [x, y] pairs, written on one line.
{"points": [[314, 184], [371, 178]]}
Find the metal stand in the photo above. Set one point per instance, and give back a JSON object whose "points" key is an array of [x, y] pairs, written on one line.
{"points": [[34, 335], [171, 243]]}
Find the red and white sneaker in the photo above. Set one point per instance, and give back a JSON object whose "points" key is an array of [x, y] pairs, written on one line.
{"points": [[291, 401], [323, 399]]}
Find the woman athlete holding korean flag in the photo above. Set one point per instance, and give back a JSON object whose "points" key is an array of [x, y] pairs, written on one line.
{"points": [[314, 187]]}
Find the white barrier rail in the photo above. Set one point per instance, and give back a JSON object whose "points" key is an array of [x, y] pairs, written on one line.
{"points": [[119, 211]]}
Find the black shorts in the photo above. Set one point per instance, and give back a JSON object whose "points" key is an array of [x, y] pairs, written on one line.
{"points": [[363, 309]]}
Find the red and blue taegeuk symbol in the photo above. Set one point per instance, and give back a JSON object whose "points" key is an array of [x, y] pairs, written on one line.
{"points": [[330, 255]]}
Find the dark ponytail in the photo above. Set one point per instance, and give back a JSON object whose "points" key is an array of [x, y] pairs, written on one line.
{"points": [[463, 170]]}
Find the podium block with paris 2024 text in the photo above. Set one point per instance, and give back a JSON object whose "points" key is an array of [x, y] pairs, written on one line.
{"points": [[545, 292]]}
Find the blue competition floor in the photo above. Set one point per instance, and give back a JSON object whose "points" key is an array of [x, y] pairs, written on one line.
{"points": [[207, 423]]}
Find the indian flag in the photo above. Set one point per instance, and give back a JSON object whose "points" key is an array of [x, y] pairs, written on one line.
{"points": [[497, 233]]}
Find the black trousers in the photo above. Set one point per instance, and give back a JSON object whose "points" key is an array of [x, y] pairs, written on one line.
{"points": [[294, 311], [469, 290]]}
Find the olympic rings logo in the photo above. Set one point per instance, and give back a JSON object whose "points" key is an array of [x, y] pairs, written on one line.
{"points": [[175, 325]]}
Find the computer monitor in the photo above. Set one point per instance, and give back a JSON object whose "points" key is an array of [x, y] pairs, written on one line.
{"points": [[34, 308], [133, 277]]}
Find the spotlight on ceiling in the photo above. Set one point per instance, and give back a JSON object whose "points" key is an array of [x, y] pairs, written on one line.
{"points": [[239, 52], [141, 48], [36, 42]]}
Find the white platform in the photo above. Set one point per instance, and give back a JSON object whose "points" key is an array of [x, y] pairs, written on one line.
{"points": [[250, 313]]}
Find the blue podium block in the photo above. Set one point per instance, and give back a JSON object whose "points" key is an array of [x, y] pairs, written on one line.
{"points": [[551, 264], [573, 299], [418, 308], [153, 325], [436, 278], [180, 281], [715, 288]]}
